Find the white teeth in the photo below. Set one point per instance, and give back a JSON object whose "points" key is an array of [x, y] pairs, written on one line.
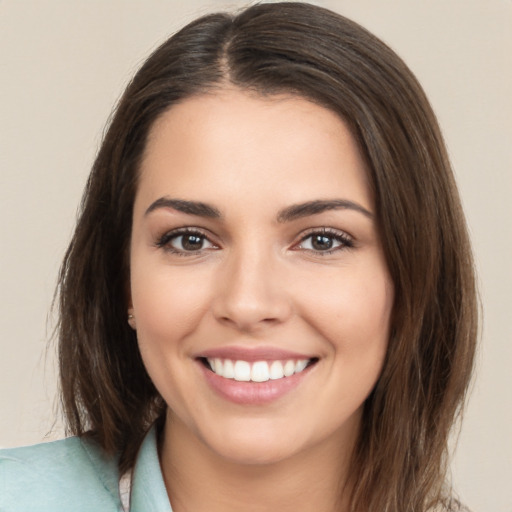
{"points": [[300, 365], [228, 370], [242, 371], [289, 368], [259, 371], [276, 370]]}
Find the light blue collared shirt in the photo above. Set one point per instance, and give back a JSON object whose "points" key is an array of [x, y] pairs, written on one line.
{"points": [[75, 475]]}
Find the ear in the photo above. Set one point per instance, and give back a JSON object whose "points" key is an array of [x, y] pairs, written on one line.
{"points": [[130, 309], [131, 318]]}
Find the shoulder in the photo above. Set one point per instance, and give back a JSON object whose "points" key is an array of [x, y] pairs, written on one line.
{"points": [[71, 474]]}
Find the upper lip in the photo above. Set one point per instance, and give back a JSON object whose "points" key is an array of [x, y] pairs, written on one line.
{"points": [[237, 353]]}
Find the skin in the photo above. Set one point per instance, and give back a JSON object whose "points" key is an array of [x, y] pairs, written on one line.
{"points": [[258, 281]]}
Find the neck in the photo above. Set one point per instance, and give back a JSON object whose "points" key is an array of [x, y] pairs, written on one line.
{"points": [[198, 479]]}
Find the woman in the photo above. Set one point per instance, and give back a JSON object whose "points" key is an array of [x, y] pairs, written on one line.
{"points": [[270, 284]]}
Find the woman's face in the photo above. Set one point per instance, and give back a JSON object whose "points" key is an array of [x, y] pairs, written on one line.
{"points": [[260, 294]]}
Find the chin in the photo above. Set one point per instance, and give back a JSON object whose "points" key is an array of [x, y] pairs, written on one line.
{"points": [[257, 441], [248, 453]]}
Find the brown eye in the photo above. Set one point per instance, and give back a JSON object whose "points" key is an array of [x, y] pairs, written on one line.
{"points": [[325, 242], [190, 242], [321, 242], [185, 242]]}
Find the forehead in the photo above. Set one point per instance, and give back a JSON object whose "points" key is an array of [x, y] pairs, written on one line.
{"points": [[269, 148]]}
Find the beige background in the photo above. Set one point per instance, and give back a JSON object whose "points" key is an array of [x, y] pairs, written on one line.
{"points": [[64, 63]]}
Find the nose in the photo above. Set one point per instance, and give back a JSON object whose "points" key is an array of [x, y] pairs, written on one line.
{"points": [[250, 293]]}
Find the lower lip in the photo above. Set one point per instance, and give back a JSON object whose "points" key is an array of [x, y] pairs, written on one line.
{"points": [[252, 393]]}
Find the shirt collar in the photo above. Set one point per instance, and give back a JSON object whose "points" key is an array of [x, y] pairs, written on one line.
{"points": [[148, 493]]}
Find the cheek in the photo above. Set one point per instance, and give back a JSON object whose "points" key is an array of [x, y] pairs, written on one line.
{"points": [[370, 305], [167, 302], [168, 306], [352, 310]]}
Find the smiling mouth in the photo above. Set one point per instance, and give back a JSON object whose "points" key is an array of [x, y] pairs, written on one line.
{"points": [[257, 371]]}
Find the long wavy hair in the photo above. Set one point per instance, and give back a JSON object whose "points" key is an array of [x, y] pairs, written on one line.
{"points": [[399, 462]]}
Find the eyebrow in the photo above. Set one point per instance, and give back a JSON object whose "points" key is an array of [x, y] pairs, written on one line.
{"points": [[288, 214], [298, 211], [191, 207]]}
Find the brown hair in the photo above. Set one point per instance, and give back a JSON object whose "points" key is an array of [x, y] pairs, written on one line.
{"points": [[399, 461]]}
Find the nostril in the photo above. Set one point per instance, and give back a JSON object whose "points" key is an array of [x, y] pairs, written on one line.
{"points": [[251, 303]]}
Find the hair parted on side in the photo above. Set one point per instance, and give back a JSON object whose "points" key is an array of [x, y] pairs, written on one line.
{"points": [[293, 48]]}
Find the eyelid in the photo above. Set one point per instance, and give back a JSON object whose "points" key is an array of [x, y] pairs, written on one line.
{"points": [[163, 240], [346, 240]]}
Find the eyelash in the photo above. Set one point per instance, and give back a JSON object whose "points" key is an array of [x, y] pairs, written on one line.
{"points": [[345, 241], [164, 242]]}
